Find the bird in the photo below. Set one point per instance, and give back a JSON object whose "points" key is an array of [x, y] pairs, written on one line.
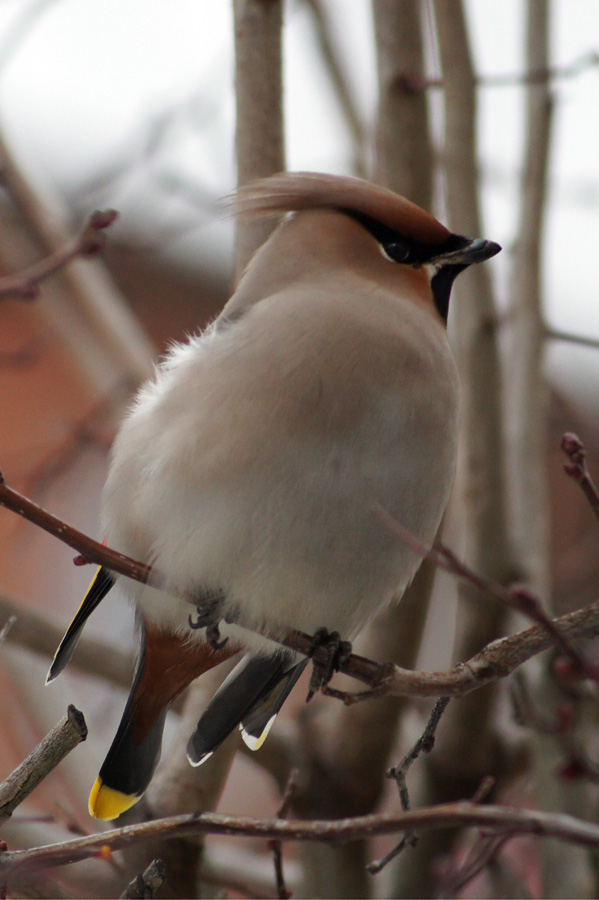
{"points": [[247, 470]]}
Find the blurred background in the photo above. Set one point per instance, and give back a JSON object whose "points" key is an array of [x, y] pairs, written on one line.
{"points": [[132, 106]]}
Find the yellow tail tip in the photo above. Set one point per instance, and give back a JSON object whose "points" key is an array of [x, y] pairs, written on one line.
{"points": [[255, 742], [106, 803]]}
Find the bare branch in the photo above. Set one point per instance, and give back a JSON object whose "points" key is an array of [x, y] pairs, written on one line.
{"points": [[404, 151], [424, 744], [91, 240], [145, 886], [555, 334], [517, 596], [259, 136], [577, 468], [497, 660], [69, 732], [485, 849], [526, 390], [329, 831], [542, 75], [91, 550], [276, 847]]}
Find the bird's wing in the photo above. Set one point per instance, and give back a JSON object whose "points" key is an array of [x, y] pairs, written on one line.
{"points": [[102, 582], [251, 696]]}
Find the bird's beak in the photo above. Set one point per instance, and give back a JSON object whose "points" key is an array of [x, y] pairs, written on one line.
{"points": [[477, 250]]}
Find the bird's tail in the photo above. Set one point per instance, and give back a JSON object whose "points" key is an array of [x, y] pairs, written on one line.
{"points": [[167, 664], [251, 696]]}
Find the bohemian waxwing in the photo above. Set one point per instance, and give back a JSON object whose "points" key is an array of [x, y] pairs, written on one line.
{"points": [[247, 470]]}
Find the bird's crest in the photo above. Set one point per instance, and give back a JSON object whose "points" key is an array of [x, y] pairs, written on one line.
{"points": [[293, 191]]}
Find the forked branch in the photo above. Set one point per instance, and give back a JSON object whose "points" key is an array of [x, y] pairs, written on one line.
{"points": [[92, 239]]}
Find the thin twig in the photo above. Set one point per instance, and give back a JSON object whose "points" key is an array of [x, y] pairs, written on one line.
{"points": [[485, 787], [484, 850], [145, 886], [578, 763], [91, 240], [517, 596], [476, 860], [276, 845], [63, 738], [555, 334], [417, 82], [91, 550], [577, 468], [424, 744], [540, 76]]}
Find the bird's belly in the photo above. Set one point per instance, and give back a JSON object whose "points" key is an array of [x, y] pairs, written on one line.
{"points": [[296, 543]]}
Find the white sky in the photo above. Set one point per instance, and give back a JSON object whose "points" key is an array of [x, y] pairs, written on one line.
{"points": [[79, 87]]}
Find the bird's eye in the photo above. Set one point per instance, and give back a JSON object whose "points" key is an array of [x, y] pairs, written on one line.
{"points": [[397, 251]]}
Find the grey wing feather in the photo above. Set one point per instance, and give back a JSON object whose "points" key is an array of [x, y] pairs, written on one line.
{"points": [[252, 695]]}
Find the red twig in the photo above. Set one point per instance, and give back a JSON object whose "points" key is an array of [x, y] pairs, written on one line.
{"points": [[577, 468], [517, 596], [91, 240], [91, 550]]}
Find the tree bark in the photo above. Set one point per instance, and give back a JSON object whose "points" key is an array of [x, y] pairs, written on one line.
{"points": [[404, 152], [259, 137]]}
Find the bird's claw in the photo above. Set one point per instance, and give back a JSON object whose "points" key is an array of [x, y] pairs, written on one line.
{"points": [[338, 652], [214, 638], [209, 615]]}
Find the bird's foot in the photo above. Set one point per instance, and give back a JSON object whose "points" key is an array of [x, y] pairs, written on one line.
{"points": [[209, 616], [338, 652]]}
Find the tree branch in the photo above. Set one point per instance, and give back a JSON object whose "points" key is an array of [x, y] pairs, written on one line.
{"points": [[416, 82], [145, 885], [516, 596], [333, 831], [577, 468], [91, 240], [554, 334], [259, 134], [90, 550], [69, 732]]}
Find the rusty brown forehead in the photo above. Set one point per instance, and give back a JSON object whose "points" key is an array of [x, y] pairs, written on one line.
{"points": [[288, 192]]}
